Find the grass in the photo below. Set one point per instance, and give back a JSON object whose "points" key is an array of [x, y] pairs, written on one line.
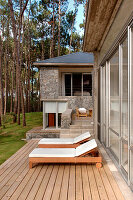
{"points": [[11, 134]]}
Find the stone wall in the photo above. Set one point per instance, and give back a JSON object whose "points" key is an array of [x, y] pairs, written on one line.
{"points": [[49, 82], [79, 101], [66, 119]]}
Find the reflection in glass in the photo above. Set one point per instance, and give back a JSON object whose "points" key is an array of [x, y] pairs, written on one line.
{"points": [[103, 104], [125, 90], [125, 155], [114, 93], [87, 85], [77, 78], [103, 94], [114, 143], [131, 89], [131, 170]]}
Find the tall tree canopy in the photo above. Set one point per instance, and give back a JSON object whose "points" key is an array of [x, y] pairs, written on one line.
{"points": [[31, 30]]}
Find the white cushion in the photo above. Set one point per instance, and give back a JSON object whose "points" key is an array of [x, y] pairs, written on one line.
{"points": [[82, 110], [63, 152], [56, 141], [82, 137], [53, 152], [87, 146]]}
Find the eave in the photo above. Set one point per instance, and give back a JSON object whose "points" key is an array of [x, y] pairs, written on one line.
{"points": [[100, 16], [63, 64]]}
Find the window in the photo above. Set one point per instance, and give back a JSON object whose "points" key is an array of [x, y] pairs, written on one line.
{"points": [[114, 93], [67, 84], [77, 87], [114, 123], [78, 84], [87, 84]]}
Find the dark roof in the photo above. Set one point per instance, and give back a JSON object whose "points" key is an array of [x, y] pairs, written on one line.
{"points": [[79, 58]]}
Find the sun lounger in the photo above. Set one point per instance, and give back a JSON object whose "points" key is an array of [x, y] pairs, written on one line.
{"points": [[85, 153], [64, 142], [81, 112]]}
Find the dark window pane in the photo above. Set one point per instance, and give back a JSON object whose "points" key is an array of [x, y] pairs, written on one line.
{"points": [[87, 84], [77, 84], [67, 84]]}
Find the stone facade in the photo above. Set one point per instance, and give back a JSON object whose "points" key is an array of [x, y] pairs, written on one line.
{"points": [[79, 102], [49, 82], [66, 119], [38, 132]]}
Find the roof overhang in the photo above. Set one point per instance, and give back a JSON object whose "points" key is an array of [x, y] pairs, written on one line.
{"points": [[63, 64], [99, 18]]}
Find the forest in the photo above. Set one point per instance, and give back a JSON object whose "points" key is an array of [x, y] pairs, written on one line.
{"points": [[32, 30]]}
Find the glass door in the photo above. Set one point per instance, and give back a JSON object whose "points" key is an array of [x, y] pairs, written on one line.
{"points": [[124, 106], [104, 105], [114, 106]]}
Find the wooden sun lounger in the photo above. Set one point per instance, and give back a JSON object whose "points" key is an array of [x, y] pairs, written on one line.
{"points": [[85, 153], [64, 142], [80, 114]]}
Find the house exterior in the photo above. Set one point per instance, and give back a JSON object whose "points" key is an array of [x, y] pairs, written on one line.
{"points": [[109, 35], [66, 83]]}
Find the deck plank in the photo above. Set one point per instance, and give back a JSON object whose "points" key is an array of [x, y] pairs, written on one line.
{"points": [[71, 188], [30, 183], [64, 186], [79, 188], [5, 177], [93, 185], [113, 183], [50, 186], [10, 160], [37, 183], [100, 185], [56, 190], [43, 186], [107, 185], [52, 182], [86, 185], [23, 184], [16, 164]]}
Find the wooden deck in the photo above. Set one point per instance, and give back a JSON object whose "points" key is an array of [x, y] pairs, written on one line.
{"points": [[52, 182]]}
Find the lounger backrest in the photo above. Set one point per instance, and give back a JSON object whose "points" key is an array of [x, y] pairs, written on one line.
{"points": [[83, 148], [82, 137]]}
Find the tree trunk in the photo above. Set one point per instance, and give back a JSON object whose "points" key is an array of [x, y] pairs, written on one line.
{"points": [[59, 31], [29, 64], [5, 63], [12, 87], [17, 47], [1, 104], [71, 36], [43, 50], [53, 25]]}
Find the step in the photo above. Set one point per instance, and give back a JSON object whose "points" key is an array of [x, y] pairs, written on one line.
{"points": [[77, 131], [78, 122], [81, 126], [68, 135]]}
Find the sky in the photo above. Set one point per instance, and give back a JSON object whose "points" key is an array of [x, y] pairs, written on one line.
{"points": [[79, 18]]}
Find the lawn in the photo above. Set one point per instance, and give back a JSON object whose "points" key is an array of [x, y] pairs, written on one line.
{"points": [[12, 134]]}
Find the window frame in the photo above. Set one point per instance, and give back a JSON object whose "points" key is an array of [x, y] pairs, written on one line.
{"points": [[71, 73]]}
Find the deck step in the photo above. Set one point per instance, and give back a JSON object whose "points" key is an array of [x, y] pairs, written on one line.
{"points": [[78, 122], [81, 126]]}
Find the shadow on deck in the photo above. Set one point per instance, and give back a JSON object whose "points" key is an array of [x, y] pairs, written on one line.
{"points": [[64, 182]]}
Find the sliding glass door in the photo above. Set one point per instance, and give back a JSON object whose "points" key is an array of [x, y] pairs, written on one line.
{"points": [[114, 111], [131, 106], [124, 105], [116, 107]]}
